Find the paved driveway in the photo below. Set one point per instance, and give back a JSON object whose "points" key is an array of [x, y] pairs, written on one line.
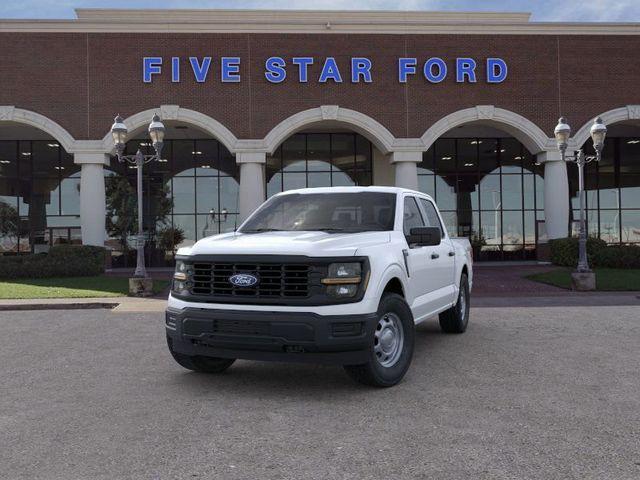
{"points": [[525, 393]]}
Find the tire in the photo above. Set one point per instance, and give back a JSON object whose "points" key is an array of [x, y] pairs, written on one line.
{"points": [[200, 364], [456, 319], [391, 346]]}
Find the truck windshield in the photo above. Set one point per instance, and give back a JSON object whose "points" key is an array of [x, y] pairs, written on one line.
{"points": [[327, 212]]}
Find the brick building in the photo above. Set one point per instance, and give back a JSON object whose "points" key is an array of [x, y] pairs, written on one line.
{"points": [[459, 105]]}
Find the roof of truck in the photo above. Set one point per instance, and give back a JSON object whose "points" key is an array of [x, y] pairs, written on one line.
{"points": [[395, 190]]}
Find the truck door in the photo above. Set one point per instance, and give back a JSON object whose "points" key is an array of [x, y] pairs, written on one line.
{"points": [[423, 281], [444, 266]]}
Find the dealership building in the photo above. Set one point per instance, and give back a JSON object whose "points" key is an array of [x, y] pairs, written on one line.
{"points": [[461, 106]]}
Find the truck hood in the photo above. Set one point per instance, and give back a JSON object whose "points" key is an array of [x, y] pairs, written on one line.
{"points": [[313, 244]]}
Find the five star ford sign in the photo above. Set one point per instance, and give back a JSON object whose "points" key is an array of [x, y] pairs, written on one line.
{"points": [[361, 69]]}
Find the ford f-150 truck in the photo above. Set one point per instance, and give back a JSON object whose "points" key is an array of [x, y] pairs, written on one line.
{"points": [[331, 275]]}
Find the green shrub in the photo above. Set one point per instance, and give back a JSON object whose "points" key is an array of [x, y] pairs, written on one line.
{"points": [[618, 256], [564, 251], [61, 261]]}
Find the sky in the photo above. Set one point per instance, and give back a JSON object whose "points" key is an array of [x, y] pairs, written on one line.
{"points": [[542, 10]]}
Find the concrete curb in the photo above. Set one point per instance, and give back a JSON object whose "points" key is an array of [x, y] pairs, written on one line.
{"points": [[57, 306]]}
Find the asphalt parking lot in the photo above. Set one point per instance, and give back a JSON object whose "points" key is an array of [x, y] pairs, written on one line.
{"points": [[526, 393]]}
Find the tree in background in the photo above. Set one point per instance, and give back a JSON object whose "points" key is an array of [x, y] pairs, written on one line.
{"points": [[169, 238], [9, 221], [122, 209]]}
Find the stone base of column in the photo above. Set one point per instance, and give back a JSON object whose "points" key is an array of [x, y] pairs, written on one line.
{"points": [[583, 281], [140, 287]]}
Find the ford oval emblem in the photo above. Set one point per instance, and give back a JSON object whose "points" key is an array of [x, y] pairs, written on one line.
{"points": [[243, 280]]}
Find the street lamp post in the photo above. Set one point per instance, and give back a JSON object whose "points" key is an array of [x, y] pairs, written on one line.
{"points": [[562, 133], [119, 133]]}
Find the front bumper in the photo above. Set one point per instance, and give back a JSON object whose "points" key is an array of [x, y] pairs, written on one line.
{"points": [[264, 335]]}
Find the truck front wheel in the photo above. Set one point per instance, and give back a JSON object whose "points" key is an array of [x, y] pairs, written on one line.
{"points": [[200, 364], [391, 345]]}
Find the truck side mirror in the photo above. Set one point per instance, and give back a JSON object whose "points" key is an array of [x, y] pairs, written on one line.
{"points": [[424, 236]]}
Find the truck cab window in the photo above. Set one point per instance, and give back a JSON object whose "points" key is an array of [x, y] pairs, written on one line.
{"points": [[432, 216], [412, 216]]}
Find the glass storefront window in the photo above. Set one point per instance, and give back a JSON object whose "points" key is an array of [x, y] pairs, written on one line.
{"points": [[630, 224], [194, 188], [39, 196], [490, 190], [319, 160], [612, 191]]}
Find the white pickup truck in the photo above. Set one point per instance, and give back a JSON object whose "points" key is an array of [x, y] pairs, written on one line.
{"points": [[330, 275]]}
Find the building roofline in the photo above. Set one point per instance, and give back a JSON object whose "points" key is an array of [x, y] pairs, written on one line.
{"points": [[311, 22], [265, 15]]}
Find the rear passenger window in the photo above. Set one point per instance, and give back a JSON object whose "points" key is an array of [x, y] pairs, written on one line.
{"points": [[412, 216], [432, 216]]}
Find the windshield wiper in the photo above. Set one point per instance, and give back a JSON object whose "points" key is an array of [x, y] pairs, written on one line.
{"points": [[261, 230]]}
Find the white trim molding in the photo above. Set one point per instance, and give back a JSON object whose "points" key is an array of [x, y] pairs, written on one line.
{"points": [[10, 113], [179, 114], [310, 21], [622, 114], [373, 130], [527, 132]]}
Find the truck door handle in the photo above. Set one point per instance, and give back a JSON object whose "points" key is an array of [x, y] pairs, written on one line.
{"points": [[434, 256], [452, 254]]}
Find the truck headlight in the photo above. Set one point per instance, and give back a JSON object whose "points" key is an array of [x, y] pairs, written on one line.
{"points": [[343, 279], [181, 283]]}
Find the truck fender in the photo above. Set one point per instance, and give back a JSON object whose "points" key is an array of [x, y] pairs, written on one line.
{"points": [[391, 271]]}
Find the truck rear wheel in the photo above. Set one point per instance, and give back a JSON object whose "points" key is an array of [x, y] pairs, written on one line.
{"points": [[200, 364], [456, 319], [391, 345]]}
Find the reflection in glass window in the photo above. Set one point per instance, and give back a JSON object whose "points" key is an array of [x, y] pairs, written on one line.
{"points": [[488, 189], [308, 160], [411, 215], [198, 180], [630, 223], [612, 191], [39, 195]]}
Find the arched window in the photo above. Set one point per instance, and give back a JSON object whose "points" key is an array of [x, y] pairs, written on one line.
{"points": [[39, 196], [612, 189], [487, 189], [319, 160], [199, 179]]}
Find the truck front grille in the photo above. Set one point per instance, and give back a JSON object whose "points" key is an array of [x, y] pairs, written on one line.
{"points": [[276, 280]]}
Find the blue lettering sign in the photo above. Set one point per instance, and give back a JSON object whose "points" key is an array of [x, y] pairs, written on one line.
{"points": [[496, 70], [330, 71], [360, 67], [200, 71], [428, 70], [406, 66], [230, 70], [303, 67], [465, 67], [175, 69], [275, 69], [151, 66], [434, 69]]}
